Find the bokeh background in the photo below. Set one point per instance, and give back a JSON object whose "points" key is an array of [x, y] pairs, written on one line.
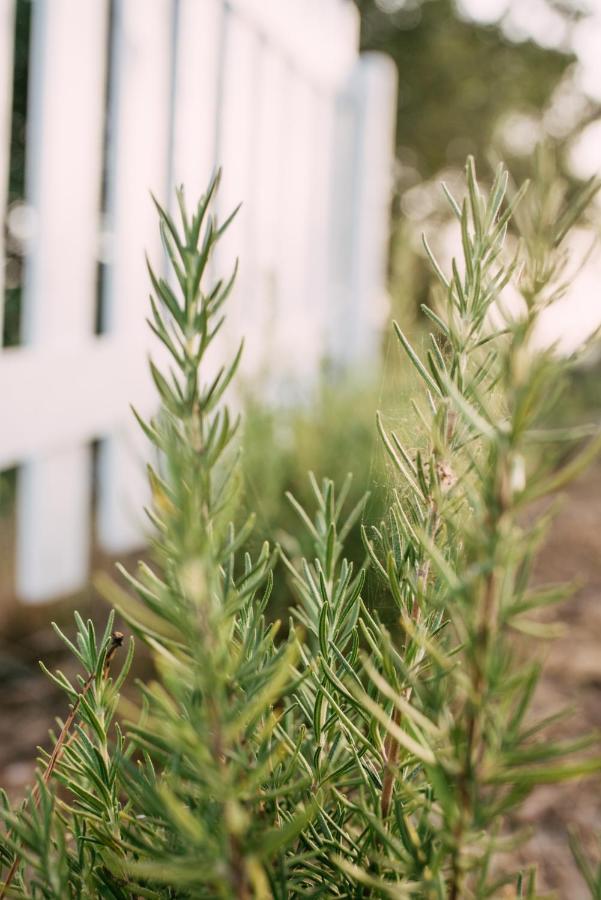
{"points": [[492, 78]]}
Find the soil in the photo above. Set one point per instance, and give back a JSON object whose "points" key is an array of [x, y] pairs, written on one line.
{"points": [[571, 677]]}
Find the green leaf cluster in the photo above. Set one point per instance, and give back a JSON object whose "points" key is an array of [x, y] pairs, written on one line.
{"points": [[344, 757]]}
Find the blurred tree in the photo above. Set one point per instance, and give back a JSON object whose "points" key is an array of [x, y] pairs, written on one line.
{"points": [[458, 78], [462, 85]]}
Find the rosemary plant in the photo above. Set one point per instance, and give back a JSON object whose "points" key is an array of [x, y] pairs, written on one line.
{"points": [[456, 555], [344, 759]]}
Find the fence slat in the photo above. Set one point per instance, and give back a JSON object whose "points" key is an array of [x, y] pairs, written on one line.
{"points": [[342, 189], [299, 344], [320, 216], [63, 187], [53, 542], [318, 38], [373, 89], [7, 30], [236, 154], [138, 163], [195, 96], [267, 212], [253, 85]]}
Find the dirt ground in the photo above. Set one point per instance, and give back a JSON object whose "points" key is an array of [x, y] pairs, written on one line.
{"points": [[572, 676]]}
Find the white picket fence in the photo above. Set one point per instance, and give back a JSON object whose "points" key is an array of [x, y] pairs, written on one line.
{"points": [[276, 93]]}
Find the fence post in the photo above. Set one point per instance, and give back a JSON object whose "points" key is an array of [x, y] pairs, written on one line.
{"points": [[63, 187], [363, 182]]}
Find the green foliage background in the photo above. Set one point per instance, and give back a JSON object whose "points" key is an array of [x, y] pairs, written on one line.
{"points": [[458, 78]]}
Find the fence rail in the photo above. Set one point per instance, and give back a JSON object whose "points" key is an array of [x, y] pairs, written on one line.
{"points": [[130, 96]]}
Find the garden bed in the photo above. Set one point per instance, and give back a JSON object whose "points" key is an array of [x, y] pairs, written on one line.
{"points": [[572, 677]]}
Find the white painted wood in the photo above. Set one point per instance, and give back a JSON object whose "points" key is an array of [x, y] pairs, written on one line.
{"points": [[55, 397], [323, 162], [318, 38], [63, 187], [298, 341], [374, 92], [7, 29], [267, 210], [64, 147], [139, 152], [236, 154], [195, 96], [53, 526], [198, 33], [270, 90], [343, 202]]}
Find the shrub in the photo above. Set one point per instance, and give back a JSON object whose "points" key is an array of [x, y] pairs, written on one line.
{"points": [[348, 759]]}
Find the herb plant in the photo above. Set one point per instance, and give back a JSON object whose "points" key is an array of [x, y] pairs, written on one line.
{"points": [[344, 757]]}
